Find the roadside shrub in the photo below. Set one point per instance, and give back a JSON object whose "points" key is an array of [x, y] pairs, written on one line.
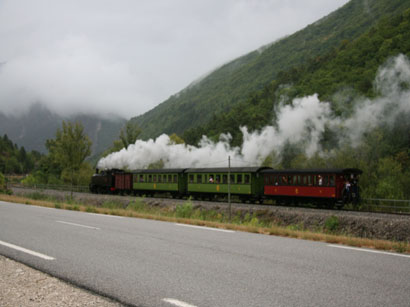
{"points": [[2, 183], [185, 211], [331, 223]]}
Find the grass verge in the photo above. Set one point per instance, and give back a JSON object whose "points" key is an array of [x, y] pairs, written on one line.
{"points": [[185, 213]]}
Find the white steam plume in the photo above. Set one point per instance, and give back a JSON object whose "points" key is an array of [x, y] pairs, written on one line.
{"points": [[302, 122]]}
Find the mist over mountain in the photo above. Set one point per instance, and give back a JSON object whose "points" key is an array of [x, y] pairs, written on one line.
{"points": [[34, 127]]}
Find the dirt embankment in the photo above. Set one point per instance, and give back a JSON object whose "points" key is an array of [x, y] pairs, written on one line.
{"points": [[359, 224]]}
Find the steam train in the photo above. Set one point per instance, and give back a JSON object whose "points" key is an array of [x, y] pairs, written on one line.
{"points": [[321, 187]]}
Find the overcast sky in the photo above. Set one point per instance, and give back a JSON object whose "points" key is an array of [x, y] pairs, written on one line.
{"points": [[126, 57]]}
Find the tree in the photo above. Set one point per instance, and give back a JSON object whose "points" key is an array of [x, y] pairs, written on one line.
{"points": [[70, 148], [129, 134]]}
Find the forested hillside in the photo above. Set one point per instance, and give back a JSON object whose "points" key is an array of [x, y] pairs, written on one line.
{"points": [[234, 82], [339, 76], [15, 160]]}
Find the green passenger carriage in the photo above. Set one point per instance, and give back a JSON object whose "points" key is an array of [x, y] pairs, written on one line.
{"points": [[149, 182], [245, 182]]}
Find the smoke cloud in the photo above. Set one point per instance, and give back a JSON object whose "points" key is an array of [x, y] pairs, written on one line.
{"points": [[302, 122]]}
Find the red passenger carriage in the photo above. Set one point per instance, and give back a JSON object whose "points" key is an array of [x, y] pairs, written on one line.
{"points": [[323, 186]]}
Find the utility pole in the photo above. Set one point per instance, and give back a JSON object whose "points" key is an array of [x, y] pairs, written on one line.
{"points": [[229, 186]]}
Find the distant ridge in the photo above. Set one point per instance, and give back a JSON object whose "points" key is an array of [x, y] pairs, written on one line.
{"points": [[39, 124]]}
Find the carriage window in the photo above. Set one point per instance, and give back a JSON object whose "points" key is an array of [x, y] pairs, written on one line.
{"points": [[304, 180], [175, 178], [165, 178], [218, 178], [232, 179], [314, 180], [169, 178], [295, 180], [247, 178], [155, 178], [290, 180], [191, 178], [319, 180], [325, 181], [149, 178], [267, 179], [205, 178], [225, 179], [199, 178], [159, 178], [309, 180], [332, 180], [239, 178]]}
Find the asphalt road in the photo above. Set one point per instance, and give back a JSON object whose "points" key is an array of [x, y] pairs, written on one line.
{"points": [[150, 263]]}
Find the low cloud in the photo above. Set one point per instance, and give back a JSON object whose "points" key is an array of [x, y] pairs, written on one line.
{"points": [[125, 57]]}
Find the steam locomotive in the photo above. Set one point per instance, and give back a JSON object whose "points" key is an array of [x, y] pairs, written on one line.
{"points": [[321, 187]]}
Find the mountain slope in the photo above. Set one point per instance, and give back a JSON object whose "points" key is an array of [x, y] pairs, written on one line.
{"points": [[339, 76], [232, 83], [39, 124]]}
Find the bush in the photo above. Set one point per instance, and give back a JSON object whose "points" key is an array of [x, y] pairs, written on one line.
{"points": [[331, 223], [185, 211], [2, 183]]}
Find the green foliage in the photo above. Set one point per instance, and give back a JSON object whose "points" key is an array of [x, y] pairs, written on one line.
{"points": [[129, 134], [331, 223], [175, 139], [2, 183], [69, 149], [185, 210], [14, 160]]}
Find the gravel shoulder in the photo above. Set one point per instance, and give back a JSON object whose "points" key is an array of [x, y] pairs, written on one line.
{"points": [[21, 285]]}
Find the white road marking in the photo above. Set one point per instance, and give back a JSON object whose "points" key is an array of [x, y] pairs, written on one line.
{"points": [[369, 250], [27, 251], [177, 302], [207, 228], [79, 225], [107, 215]]}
